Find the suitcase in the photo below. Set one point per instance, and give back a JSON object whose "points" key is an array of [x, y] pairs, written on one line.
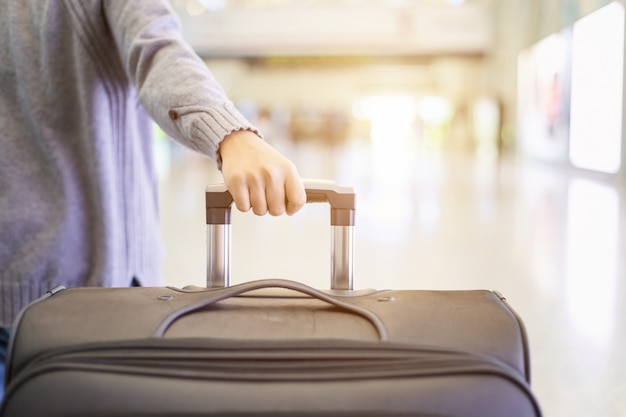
{"points": [[269, 347]]}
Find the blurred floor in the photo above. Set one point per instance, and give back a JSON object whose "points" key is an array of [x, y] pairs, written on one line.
{"points": [[549, 239]]}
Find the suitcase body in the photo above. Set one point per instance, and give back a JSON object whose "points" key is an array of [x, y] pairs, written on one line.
{"points": [[268, 347]]}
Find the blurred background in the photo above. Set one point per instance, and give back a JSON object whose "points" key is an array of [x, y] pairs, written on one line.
{"points": [[484, 139]]}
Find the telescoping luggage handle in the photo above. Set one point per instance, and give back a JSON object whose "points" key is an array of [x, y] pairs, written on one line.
{"points": [[342, 201]]}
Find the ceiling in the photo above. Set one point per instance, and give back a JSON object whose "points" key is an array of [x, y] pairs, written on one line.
{"points": [[261, 28]]}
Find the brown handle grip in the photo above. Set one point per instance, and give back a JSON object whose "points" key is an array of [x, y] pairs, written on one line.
{"points": [[342, 201]]}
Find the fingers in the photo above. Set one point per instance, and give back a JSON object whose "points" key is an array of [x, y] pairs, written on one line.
{"points": [[296, 195], [275, 193], [258, 199], [241, 196], [268, 195], [259, 177], [275, 196]]}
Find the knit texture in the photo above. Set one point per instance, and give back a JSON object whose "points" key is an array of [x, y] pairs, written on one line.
{"points": [[78, 202]]}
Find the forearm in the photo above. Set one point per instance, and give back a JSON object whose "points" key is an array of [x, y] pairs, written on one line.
{"points": [[174, 85]]}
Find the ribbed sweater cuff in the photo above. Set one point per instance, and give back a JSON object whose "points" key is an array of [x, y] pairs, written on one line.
{"points": [[206, 127]]}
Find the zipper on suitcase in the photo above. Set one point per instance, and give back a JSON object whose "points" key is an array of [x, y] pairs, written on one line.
{"points": [[279, 359], [268, 361], [323, 353]]}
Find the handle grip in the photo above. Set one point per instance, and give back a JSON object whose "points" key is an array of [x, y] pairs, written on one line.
{"points": [[342, 201], [225, 293]]}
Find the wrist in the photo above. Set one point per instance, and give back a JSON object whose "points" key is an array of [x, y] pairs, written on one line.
{"points": [[232, 141]]}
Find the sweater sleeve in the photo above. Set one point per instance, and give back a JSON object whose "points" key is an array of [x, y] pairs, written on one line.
{"points": [[174, 85]]}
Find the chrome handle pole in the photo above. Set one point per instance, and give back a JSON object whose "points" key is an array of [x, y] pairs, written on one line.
{"points": [[342, 249], [218, 255]]}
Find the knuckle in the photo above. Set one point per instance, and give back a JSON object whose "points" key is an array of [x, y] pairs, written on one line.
{"points": [[242, 206], [259, 211], [300, 200], [272, 173], [277, 211]]}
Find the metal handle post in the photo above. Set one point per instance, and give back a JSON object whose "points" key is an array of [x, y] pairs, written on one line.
{"points": [[342, 241], [218, 255]]}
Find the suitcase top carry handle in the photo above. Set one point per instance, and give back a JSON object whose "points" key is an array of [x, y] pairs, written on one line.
{"points": [[342, 201], [218, 295]]}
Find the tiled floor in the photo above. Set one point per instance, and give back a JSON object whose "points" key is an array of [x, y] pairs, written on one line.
{"points": [[548, 238]]}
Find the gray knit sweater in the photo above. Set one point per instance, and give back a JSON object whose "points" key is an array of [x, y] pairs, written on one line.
{"points": [[78, 204]]}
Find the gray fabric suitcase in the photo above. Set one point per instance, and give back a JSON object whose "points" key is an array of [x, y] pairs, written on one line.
{"points": [[269, 347]]}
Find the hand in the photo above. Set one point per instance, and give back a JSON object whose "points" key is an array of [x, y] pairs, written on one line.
{"points": [[260, 177]]}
